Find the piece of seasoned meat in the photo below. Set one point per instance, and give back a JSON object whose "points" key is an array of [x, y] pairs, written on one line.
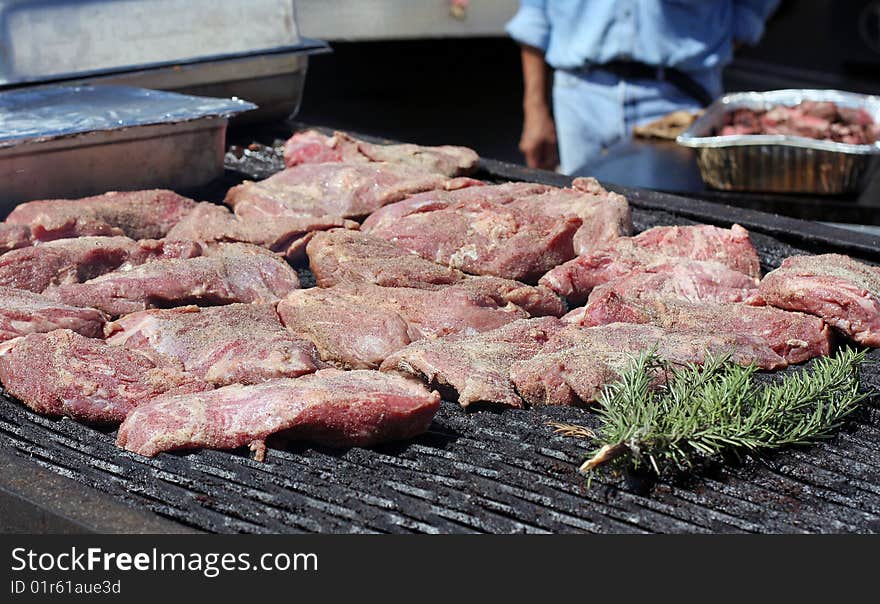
{"points": [[574, 366], [310, 146], [136, 214], [794, 336], [340, 408], [340, 256], [334, 189], [443, 199], [226, 273], [476, 367], [63, 373], [487, 239], [435, 313], [13, 237], [511, 230], [79, 259], [845, 293], [237, 343], [345, 331], [604, 215], [23, 312], [359, 325], [286, 235], [661, 245], [682, 279]]}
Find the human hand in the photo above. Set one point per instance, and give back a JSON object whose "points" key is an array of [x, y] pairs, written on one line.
{"points": [[538, 141]]}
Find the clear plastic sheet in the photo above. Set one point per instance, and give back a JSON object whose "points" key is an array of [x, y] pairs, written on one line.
{"points": [[45, 113]]}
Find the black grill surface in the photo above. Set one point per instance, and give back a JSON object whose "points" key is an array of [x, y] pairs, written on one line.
{"points": [[491, 471]]}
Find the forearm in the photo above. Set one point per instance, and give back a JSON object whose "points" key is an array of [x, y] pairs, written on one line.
{"points": [[538, 141], [536, 79]]}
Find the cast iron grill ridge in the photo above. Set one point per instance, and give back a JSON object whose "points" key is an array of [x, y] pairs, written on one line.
{"points": [[490, 471]]}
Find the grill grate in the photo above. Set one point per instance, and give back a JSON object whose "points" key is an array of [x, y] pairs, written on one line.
{"points": [[479, 471]]}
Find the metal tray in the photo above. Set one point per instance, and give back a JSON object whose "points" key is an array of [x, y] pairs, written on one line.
{"points": [[781, 163], [203, 50], [73, 141], [57, 39]]}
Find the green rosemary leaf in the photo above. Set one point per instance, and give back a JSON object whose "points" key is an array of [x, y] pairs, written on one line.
{"points": [[703, 412]]}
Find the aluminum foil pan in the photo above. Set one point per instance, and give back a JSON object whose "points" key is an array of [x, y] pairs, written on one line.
{"points": [[38, 114], [73, 141], [781, 163]]}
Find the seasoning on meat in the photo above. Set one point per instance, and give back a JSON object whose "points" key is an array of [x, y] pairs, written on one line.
{"points": [[796, 337], [577, 362], [64, 373], [341, 408], [287, 235], [442, 199], [476, 367], [334, 189], [822, 120], [682, 279], [341, 256], [845, 293], [79, 259], [360, 325], [244, 343], [345, 331], [23, 312], [511, 230], [136, 214], [310, 147], [661, 245], [226, 273], [13, 237]]}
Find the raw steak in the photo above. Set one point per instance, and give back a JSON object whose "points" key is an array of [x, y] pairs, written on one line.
{"points": [[574, 366], [23, 312], [359, 325], [487, 239], [334, 189], [64, 373], [341, 408], [286, 235], [443, 199], [341, 256], [244, 343], [226, 273], [476, 367], [845, 293], [137, 214], [812, 119], [796, 337], [41, 266], [345, 332], [13, 237], [434, 314], [661, 245], [604, 215], [311, 147], [685, 280]]}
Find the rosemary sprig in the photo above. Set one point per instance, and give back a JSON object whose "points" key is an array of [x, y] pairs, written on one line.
{"points": [[699, 413]]}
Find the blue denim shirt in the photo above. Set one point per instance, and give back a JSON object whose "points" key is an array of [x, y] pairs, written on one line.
{"points": [[691, 35]]}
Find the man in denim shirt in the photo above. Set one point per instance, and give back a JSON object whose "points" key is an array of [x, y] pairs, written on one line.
{"points": [[620, 63]]}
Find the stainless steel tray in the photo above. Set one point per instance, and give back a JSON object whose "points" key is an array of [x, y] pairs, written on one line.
{"points": [[250, 49], [780, 163], [73, 141]]}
